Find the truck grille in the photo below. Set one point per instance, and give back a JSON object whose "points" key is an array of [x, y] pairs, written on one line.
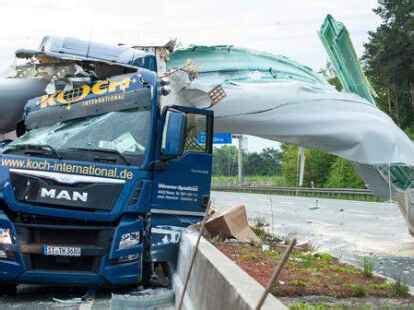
{"points": [[56, 263], [94, 241], [44, 192]]}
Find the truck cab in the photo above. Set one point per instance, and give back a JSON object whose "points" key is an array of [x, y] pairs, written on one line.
{"points": [[100, 185]]}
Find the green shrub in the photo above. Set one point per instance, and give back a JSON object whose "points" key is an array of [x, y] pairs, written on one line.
{"points": [[400, 289], [358, 291], [368, 266]]}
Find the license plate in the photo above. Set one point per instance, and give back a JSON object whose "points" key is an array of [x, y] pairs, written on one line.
{"points": [[61, 251]]}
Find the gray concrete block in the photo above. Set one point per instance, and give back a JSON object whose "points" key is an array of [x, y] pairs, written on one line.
{"points": [[216, 281]]}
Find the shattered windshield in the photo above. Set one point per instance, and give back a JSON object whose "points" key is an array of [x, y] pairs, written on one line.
{"points": [[124, 132]]}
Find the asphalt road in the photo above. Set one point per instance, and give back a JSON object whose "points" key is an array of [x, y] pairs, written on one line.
{"points": [[32, 297], [350, 230], [36, 297]]}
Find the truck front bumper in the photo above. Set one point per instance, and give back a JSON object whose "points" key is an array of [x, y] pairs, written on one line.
{"points": [[123, 274], [24, 261]]}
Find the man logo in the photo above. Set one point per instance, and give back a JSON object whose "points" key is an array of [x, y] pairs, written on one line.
{"points": [[63, 195]]}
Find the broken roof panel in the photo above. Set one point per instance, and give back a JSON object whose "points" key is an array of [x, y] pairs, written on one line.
{"points": [[74, 49], [243, 64], [338, 45]]}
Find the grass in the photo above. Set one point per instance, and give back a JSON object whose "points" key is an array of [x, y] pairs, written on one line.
{"points": [[310, 273], [357, 290], [256, 180], [305, 306], [344, 306]]}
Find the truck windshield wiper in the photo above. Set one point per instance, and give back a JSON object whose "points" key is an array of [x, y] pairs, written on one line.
{"points": [[107, 151], [28, 147]]}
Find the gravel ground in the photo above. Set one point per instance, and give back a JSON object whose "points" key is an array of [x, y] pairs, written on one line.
{"points": [[349, 230]]}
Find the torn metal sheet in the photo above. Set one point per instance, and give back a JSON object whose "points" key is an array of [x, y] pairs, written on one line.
{"points": [[53, 49], [14, 93], [338, 45], [388, 181], [277, 99]]}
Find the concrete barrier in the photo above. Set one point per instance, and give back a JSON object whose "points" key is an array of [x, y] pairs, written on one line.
{"points": [[216, 282]]}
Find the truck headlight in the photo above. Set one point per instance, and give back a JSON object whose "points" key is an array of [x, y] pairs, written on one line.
{"points": [[5, 236], [127, 259], [3, 254], [129, 240]]}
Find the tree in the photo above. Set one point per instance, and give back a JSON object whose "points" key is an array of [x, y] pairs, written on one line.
{"points": [[290, 164], [389, 60], [321, 169], [330, 75], [225, 160], [317, 166], [271, 161], [342, 175], [265, 163]]}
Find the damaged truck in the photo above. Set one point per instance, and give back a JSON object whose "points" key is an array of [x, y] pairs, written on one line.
{"points": [[100, 180]]}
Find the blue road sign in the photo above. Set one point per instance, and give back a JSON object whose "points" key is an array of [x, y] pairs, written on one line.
{"points": [[218, 138]]}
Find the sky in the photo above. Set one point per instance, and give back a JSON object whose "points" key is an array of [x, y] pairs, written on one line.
{"points": [[276, 26]]}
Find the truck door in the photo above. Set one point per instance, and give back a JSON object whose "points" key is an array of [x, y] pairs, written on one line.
{"points": [[182, 182]]}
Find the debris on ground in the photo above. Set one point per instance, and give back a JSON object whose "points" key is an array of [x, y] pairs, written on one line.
{"points": [[151, 299], [68, 301], [232, 223]]}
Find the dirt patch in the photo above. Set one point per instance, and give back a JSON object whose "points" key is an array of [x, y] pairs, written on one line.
{"points": [[309, 274]]}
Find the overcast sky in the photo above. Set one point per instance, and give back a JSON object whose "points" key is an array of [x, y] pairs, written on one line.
{"points": [[277, 26]]}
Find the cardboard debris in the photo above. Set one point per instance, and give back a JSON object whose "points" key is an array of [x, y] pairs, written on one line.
{"points": [[232, 223]]}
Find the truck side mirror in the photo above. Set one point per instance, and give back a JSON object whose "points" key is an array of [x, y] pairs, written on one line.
{"points": [[172, 144]]}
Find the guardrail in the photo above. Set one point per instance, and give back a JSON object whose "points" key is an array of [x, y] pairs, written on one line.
{"points": [[335, 193]]}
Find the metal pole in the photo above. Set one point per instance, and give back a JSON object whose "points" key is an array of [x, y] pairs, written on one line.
{"points": [[389, 181], [240, 159], [302, 165], [200, 234], [276, 274]]}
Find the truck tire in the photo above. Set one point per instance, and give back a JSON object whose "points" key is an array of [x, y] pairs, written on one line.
{"points": [[8, 289]]}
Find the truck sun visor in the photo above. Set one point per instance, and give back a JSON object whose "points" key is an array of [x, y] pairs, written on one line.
{"points": [[101, 97]]}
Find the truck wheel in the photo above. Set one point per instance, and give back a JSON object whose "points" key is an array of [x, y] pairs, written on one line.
{"points": [[161, 276], [8, 289]]}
